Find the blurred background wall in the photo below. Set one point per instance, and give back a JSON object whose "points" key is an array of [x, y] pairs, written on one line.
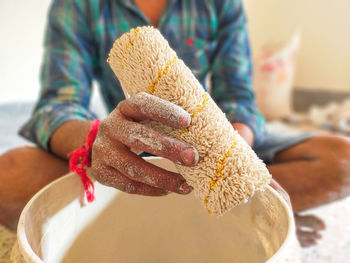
{"points": [[21, 25], [323, 59]]}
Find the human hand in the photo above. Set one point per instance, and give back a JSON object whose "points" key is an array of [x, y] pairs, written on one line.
{"points": [[308, 229], [113, 161]]}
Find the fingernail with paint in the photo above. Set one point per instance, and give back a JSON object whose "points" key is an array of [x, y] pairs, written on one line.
{"points": [[185, 188], [189, 156], [185, 120]]}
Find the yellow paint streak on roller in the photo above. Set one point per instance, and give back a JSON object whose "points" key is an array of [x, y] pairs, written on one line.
{"points": [[206, 204], [128, 45], [201, 106], [152, 85], [218, 174], [196, 111]]}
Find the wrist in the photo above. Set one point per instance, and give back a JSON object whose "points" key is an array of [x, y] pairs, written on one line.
{"points": [[245, 131], [80, 160], [68, 137]]}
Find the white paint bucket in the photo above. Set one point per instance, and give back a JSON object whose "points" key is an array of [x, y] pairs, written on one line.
{"points": [[55, 227]]}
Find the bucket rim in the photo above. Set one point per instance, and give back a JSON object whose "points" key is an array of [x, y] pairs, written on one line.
{"points": [[31, 257], [24, 247], [290, 236]]}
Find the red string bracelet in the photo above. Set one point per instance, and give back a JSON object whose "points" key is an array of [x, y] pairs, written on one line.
{"points": [[81, 158]]}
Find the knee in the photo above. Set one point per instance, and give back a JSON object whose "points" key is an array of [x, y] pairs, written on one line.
{"points": [[334, 152], [14, 157], [24, 171], [8, 159], [337, 146]]}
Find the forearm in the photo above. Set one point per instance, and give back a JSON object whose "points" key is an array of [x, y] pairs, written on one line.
{"points": [[65, 90], [68, 137]]}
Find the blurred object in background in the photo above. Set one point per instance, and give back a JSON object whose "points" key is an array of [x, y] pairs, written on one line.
{"points": [[317, 111], [323, 62], [333, 116], [273, 78]]}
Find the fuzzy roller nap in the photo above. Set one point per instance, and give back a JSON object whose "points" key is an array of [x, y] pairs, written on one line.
{"points": [[228, 172]]}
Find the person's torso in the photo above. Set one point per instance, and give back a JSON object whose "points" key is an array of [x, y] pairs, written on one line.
{"points": [[190, 26]]}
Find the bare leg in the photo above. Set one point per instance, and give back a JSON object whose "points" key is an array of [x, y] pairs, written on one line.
{"points": [[24, 171], [314, 173]]}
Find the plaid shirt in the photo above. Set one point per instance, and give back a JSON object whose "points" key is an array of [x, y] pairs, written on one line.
{"points": [[209, 36]]}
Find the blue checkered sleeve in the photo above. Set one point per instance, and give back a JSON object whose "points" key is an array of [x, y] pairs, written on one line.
{"points": [[232, 70]]}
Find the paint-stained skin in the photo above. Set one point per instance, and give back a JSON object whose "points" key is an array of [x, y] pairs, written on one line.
{"points": [[113, 162]]}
